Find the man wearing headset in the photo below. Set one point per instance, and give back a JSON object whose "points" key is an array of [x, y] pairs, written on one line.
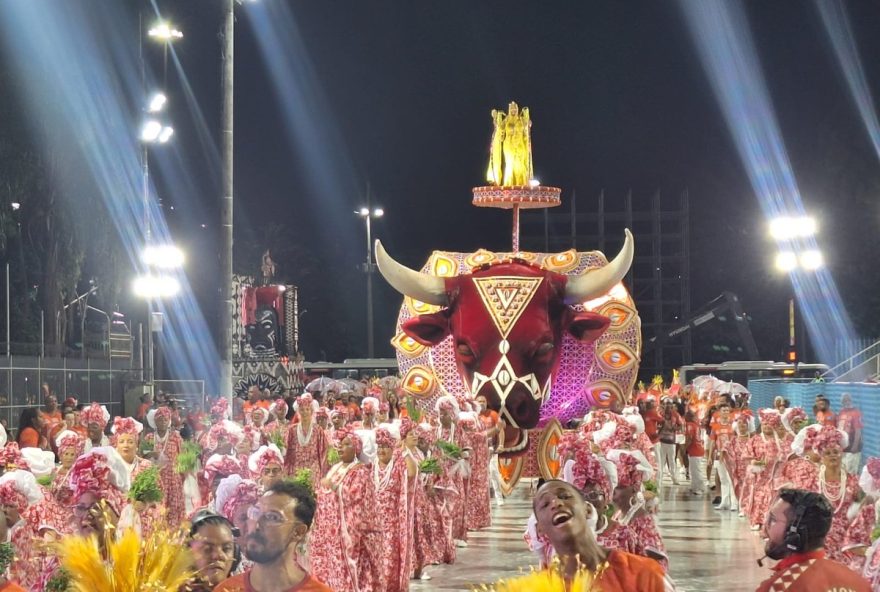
{"points": [[795, 531]]}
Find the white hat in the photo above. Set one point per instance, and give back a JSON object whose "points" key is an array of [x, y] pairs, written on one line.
{"points": [[39, 462], [151, 418], [797, 445], [644, 466], [271, 451], [26, 484], [446, 399]]}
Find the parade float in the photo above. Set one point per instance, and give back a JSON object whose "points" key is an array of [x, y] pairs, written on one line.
{"points": [[544, 337]]}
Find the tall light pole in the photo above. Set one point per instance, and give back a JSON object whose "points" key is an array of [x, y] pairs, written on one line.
{"points": [[156, 284], [368, 214], [795, 238], [226, 309]]}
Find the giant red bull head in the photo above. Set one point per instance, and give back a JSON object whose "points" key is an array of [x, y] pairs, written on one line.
{"points": [[507, 321]]}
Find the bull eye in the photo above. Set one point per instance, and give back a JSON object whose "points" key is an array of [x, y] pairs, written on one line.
{"points": [[465, 351], [544, 350]]}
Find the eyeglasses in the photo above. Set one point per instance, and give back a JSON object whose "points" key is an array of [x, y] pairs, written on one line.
{"points": [[270, 518], [83, 509], [271, 472]]}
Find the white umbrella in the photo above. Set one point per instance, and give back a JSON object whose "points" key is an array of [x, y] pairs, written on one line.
{"points": [[732, 388], [320, 384]]}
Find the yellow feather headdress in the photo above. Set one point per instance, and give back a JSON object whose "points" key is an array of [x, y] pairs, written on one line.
{"points": [[161, 562]]}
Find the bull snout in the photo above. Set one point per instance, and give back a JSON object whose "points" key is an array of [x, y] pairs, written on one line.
{"points": [[521, 407]]}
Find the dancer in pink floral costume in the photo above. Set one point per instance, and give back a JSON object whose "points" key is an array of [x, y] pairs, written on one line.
{"points": [[394, 475], [479, 502], [166, 447], [126, 434], [857, 544], [641, 535], [307, 444], [345, 539], [839, 488], [766, 455]]}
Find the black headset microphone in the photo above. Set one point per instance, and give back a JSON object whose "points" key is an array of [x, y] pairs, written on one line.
{"points": [[795, 537]]}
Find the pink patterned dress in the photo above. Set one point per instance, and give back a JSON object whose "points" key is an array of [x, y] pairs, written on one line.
{"points": [[768, 449], [306, 449], [34, 562], [432, 536], [840, 494], [740, 452], [648, 541], [858, 534], [478, 502], [455, 480], [170, 481], [395, 493], [345, 541], [797, 473]]}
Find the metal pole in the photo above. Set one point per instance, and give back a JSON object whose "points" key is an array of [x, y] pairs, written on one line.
{"points": [[226, 310], [145, 155], [515, 232], [151, 374], [8, 317], [370, 351], [141, 352], [42, 334]]}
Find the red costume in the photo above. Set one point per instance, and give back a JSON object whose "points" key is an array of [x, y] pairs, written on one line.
{"points": [[345, 541], [811, 572], [395, 497]]}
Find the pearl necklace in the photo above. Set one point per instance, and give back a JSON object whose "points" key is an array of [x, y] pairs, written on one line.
{"points": [[382, 476], [303, 441], [841, 488], [632, 511], [338, 473]]}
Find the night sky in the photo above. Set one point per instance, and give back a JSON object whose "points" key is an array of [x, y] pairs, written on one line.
{"points": [[398, 94]]}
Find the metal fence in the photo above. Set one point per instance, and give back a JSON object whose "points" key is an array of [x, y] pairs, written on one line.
{"points": [[88, 380], [865, 396]]}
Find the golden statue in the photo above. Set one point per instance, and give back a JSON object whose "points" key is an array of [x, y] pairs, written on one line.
{"points": [[510, 154]]}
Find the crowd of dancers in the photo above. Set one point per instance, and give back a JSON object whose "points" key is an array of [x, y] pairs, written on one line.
{"points": [[396, 490]]}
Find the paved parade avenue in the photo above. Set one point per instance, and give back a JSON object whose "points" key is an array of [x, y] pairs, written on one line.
{"points": [[708, 549]]}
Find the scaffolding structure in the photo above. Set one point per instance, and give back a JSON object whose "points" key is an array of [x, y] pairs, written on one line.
{"points": [[659, 279]]}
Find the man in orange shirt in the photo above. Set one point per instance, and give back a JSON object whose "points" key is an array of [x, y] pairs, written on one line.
{"points": [[51, 414], [561, 512], [276, 526]]}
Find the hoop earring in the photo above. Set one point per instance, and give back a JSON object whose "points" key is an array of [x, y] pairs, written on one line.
{"points": [[633, 500]]}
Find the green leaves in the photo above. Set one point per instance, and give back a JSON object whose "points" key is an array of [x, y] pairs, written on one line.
{"points": [[145, 487], [188, 459], [430, 466], [449, 449]]}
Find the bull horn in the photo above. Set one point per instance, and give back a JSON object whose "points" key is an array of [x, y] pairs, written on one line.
{"points": [[597, 282], [420, 286]]}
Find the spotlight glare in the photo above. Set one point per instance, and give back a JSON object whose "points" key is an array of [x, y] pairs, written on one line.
{"points": [[786, 261], [787, 228], [164, 32], [156, 286], [15, 205], [166, 134], [364, 212], [812, 260], [534, 183], [151, 130], [157, 101], [805, 226], [163, 256], [378, 213]]}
